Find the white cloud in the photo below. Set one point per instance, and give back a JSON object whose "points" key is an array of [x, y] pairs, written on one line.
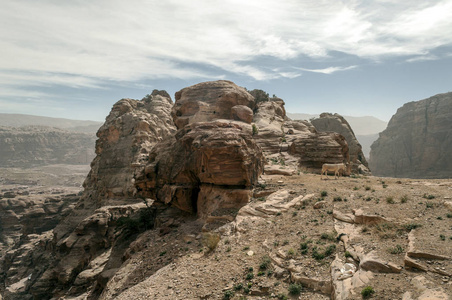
{"points": [[329, 70], [84, 43]]}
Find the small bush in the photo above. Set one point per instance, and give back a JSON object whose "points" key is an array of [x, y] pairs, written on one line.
{"points": [[330, 249], [390, 200], [291, 252], [228, 295], [404, 199], [396, 250], [449, 216], [281, 297], [238, 287], [328, 236], [367, 292], [429, 205], [304, 245], [442, 237], [323, 193], [295, 289], [162, 253], [412, 226], [265, 263], [249, 276], [255, 129], [337, 199], [367, 188], [260, 273], [428, 196]]}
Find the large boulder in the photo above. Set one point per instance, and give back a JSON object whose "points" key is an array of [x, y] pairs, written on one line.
{"points": [[336, 123], [124, 142], [417, 141], [209, 101]]}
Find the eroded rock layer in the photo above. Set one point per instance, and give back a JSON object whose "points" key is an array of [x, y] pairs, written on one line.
{"points": [[124, 142], [417, 142], [336, 123]]}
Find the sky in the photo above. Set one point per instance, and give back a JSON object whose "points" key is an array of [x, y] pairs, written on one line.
{"points": [[75, 59]]}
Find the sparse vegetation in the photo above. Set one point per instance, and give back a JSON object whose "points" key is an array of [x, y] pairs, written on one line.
{"points": [[249, 276], [323, 193], [412, 226], [429, 205], [328, 236], [428, 196], [442, 237], [367, 292], [295, 289], [337, 199], [390, 200], [396, 250], [404, 199], [367, 188], [228, 295], [255, 129], [265, 263], [210, 240]]}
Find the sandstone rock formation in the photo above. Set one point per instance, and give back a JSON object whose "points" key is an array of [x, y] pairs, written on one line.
{"points": [[39, 145], [211, 157], [125, 140], [296, 143], [159, 165], [336, 123], [417, 141], [209, 101]]}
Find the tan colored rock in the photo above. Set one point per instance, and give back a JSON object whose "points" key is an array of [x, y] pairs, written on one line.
{"points": [[417, 141], [336, 123], [124, 141], [209, 101], [242, 113]]}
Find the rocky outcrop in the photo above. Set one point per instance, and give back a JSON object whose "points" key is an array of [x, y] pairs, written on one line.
{"points": [[211, 157], [336, 123], [39, 145], [417, 141], [210, 101], [295, 144], [124, 142]]}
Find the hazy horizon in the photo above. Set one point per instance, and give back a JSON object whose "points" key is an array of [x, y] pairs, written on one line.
{"points": [[76, 59]]}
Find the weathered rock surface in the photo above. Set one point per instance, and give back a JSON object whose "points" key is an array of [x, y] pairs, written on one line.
{"points": [[417, 141], [209, 101], [125, 140], [336, 123], [39, 145], [206, 162], [295, 143]]}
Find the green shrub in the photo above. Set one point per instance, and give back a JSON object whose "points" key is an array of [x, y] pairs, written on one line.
{"points": [[396, 250], [295, 289], [390, 200], [238, 287], [323, 193], [255, 129], [265, 263], [228, 295], [249, 276], [367, 292]]}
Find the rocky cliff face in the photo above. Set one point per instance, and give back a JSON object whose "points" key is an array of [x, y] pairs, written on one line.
{"points": [[336, 123], [39, 145], [417, 141], [124, 142]]}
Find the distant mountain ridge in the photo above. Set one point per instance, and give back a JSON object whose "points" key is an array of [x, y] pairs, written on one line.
{"points": [[20, 120]]}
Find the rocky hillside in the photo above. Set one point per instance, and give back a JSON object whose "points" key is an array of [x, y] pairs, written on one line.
{"points": [[417, 142], [39, 145], [21, 120], [210, 198]]}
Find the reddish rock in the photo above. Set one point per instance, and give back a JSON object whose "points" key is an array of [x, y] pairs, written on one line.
{"points": [[209, 101], [124, 141]]}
